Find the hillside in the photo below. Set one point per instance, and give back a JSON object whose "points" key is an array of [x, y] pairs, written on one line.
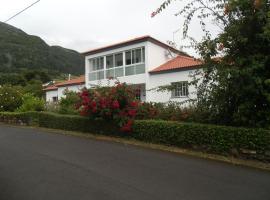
{"points": [[20, 50]]}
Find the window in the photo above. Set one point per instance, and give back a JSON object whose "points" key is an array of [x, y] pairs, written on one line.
{"points": [[109, 62], [138, 94], [180, 89], [135, 56], [135, 61], [96, 69], [128, 57], [118, 60], [114, 65], [96, 64], [55, 99]]}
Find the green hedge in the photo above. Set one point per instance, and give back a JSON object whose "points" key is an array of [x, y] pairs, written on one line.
{"points": [[217, 139], [58, 121]]}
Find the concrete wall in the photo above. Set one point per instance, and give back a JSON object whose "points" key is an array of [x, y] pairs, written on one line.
{"points": [[61, 90], [50, 95]]}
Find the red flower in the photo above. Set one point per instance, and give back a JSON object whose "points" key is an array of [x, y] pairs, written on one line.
{"points": [[115, 104], [132, 113], [134, 104], [127, 127], [94, 104], [94, 110], [84, 93], [102, 103]]}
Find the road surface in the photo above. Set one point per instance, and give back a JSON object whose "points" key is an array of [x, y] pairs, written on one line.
{"points": [[39, 165]]}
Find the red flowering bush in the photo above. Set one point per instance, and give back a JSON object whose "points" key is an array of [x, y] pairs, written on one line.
{"points": [[116, 103]]}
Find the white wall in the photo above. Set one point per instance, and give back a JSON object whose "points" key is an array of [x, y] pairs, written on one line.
{"points": [[156, 80], [60, 92], [50, 94]]}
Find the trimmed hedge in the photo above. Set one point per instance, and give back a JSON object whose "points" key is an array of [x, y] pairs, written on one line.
{"points": [[212, 138], [254, 143], [58, 121]]}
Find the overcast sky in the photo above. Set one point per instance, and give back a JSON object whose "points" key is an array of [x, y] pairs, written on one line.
{"points": [[85, 24]]}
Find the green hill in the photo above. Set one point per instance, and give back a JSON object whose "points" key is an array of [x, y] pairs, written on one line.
{"points": [[19, 50]]}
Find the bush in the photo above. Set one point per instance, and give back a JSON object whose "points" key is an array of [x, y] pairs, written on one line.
{"points": [[212, 138], [67, 105], [10, 98], [117, 104], [52, 107], [172, 111], [31, 103]]}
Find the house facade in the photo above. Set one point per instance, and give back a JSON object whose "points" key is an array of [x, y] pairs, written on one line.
{"points": [[146, 64], [57, 91]]}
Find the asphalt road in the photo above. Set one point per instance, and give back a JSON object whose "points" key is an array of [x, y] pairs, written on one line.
{"points": [[37, 165]]}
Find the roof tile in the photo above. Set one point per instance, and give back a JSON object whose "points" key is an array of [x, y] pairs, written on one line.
{"points": [[180, 62]]}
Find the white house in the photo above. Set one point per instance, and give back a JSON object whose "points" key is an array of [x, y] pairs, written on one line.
{"points": [[57, 91], [145, 63]]}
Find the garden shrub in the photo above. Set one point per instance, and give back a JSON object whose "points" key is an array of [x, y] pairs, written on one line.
{"points": [[212, 138], [117, 104], [172, 111], [31, 103], [52, 107], [67, 104], [10, 98]]}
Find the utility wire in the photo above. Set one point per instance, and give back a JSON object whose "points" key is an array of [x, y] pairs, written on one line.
{"points": [[22, 11]]}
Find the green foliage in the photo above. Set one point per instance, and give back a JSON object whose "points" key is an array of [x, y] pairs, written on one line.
{"points": [[34, 87], [67, 105], [20, 50], [217, 139], [31, 103], [10, 98], [233, 90]]}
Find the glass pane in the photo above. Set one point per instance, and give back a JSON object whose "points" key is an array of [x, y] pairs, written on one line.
{"points": [[119, 72], [133, 56], [119, 60], [93, 76], [100, 75], [110, 73], [130, 71], [143, 54], [101, 63], [138, 55], [140, 69], [128, 57], [92, 63], [109, 61]]}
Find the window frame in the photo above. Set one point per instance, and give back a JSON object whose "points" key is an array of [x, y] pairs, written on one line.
{"points": [[180, 91]]}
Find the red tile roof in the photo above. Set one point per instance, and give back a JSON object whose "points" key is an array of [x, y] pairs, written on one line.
{"points": [[130, 42], [77, 81], [180, 62], [50, 88]]}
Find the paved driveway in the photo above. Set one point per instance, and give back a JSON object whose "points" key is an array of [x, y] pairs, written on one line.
{"points": [[37, 165]]}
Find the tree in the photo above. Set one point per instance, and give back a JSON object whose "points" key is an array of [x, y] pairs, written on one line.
{"points": [[235, 88]]}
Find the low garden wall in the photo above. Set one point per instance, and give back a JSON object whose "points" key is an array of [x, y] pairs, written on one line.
{"points": [[239, 142]]}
